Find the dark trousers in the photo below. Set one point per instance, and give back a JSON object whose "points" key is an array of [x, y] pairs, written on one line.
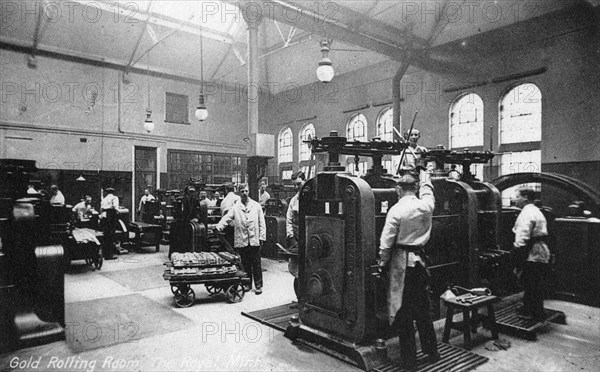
{"points": [[229, 235], [251, 262], [532, 280], [109, 228], [415, 307]]}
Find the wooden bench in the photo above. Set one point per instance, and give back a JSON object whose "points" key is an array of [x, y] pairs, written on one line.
{"points": [[470, 305]]}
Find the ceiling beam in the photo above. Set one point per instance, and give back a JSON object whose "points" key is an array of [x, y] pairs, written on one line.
{"points": [[137, 44], [362, 23], [299, 38], [320, 24], [371, 35], [16, 45], [161, 20]]}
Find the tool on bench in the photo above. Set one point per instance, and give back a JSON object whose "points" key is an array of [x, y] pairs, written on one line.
{"points": [[470, 298]]}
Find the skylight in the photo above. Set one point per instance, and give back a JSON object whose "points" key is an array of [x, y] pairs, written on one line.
{"points": [[224, 18]]}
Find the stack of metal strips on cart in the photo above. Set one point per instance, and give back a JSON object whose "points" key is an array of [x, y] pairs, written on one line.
{"points": [[197, 259], [202, 265]]}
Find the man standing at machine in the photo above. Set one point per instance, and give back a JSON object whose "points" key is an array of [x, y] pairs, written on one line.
{"points": [[530, 232], [263, 195], [412, 153], [230, 199], [407, 229], [250, 233], [147, 197], [57, 196], [109, 206], [291, 227]]}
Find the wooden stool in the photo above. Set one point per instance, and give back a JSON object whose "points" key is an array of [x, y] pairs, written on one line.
{"points": [[470, 305]]}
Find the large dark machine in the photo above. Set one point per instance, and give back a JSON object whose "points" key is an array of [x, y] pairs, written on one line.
{"points": [[193, 221], [32, 309], [342, 303], [342, 300], [275, 219], [571, 208]]}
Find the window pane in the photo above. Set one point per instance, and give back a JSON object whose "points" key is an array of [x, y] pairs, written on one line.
{"points": [[309, 171], [307, 132], [521, 115], [184, 165], [385, 123], [518, 162], [362, 168], [466, 122], [356, 129], [285, 146]]}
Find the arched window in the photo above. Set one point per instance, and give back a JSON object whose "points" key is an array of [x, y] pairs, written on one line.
{"points": [[466, 126], [466, 121], [520, 113], [285, 153], [307, 132], [356, 129], [385, 131], [385, 122]]}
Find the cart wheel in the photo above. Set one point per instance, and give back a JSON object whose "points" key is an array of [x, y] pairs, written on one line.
{"points": [[184, 296], [235, 293], [213, 289]]}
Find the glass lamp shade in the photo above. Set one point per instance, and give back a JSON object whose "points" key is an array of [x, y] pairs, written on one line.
{"points": [[148, 125], [325, 70], [201, 113]]}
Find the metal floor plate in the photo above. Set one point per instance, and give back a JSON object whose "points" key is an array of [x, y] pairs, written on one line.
{"points": [[509, 322], [452, 359], [277, 317]]}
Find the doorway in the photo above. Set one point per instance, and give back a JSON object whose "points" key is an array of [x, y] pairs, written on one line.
{"points": [[145, 175]]}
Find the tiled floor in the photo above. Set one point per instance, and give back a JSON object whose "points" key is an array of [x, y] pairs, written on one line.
{"points": [[216, 336]]}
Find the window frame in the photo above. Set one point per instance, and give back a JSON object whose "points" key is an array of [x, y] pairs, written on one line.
{"points": [[350, 120], [481, 132], [291, 146], [529, 143], [302, 138], [378, 123]]}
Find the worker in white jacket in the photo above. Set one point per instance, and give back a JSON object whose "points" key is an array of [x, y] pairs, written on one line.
{"points": [[250, 232]]}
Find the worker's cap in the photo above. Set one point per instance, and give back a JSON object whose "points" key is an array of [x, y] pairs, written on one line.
{"points": [[110, 189], [406, 179]]}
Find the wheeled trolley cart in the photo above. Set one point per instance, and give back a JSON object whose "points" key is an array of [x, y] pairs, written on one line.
{"points": [[232, 287], [83, 244], [219, 272]]}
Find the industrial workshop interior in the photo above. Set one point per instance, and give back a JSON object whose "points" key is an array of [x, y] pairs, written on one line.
{"points": [[378, 185]]}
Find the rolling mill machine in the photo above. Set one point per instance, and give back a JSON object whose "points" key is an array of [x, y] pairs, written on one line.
{"points": [[342, 305], [32, 306]]}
